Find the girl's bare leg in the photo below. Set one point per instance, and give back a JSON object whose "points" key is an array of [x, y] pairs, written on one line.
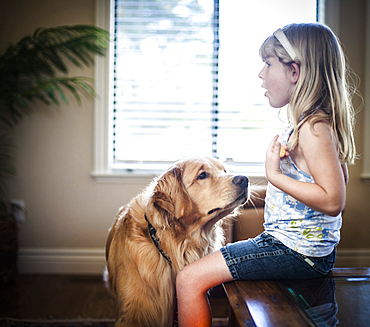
{"points": [[192, 284]]}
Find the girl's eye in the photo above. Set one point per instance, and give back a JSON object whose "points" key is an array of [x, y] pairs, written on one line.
{"points": [[203, 175]]}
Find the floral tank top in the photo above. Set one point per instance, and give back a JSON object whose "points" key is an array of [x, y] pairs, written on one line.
{"points": [[297, 226]]}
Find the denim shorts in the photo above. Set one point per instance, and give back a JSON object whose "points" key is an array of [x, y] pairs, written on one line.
{"points": [[265, 257]]}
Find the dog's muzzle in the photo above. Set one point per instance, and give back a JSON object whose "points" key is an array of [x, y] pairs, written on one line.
{"points": [[242, 182]]}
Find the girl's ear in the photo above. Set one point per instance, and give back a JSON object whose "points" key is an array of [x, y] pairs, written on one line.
{"points": [[295, 72]]}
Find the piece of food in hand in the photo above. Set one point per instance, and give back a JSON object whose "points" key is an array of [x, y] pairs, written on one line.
{"points": [[282, 152]]}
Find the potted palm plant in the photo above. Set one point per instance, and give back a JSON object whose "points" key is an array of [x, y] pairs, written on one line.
{"points": [[35, 69]]}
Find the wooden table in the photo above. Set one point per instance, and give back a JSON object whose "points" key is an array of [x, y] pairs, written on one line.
{"points": [[340, 298]]}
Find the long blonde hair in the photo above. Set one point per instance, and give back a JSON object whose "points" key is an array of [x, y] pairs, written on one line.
{"points": [[322, 83]]}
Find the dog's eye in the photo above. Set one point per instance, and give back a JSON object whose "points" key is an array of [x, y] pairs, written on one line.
{"points": [[203, 175]]}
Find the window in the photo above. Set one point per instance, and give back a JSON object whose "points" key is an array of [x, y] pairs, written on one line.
{"points": [[183, 81]]}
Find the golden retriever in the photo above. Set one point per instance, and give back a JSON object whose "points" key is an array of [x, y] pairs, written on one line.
{"points": [[174, 222]]}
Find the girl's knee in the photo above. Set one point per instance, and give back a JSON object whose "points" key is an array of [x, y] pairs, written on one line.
{"points": [[190, 281], [183, 278]]}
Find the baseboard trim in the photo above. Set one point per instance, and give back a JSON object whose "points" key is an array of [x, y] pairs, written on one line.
{"points": [[61, 261], [92, 260]]}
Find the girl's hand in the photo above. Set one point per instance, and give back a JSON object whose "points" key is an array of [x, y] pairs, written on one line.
{"points": [[272, 164]]}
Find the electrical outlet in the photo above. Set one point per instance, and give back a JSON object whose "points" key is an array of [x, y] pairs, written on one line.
{"points": [[19, 213]]}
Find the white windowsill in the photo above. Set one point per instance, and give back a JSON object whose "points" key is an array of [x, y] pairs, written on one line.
{"points": [[122, 178]]}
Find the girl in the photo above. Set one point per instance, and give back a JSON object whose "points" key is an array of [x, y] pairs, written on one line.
{"points": [[305, 68]]}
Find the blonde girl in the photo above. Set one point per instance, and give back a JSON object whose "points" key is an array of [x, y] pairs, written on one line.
{"points": [[304, 67]]}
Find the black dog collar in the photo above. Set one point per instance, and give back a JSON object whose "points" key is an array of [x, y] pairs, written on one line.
{"points": [[157, 243]]}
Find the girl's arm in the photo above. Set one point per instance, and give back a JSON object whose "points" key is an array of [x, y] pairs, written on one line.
{"points": [[345, 173], [320, 154]]}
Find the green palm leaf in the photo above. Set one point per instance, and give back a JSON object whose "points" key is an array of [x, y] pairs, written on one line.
{"points": [[29, 68]]}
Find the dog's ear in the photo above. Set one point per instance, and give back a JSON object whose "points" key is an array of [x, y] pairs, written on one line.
{"points": [[171, 196]]}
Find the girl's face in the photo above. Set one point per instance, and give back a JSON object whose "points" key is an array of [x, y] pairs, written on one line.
{"points": [[279, 81]]}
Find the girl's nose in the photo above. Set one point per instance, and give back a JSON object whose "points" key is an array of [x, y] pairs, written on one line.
{"points": [[261, 73]]}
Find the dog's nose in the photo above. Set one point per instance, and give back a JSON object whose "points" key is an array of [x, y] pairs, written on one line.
{"points": [[241, 181]]}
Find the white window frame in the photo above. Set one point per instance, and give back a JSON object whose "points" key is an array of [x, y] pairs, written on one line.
{"points": [[103, 149]]}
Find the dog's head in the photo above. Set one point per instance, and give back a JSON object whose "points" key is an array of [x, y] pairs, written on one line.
{"points": [[198, 189]]}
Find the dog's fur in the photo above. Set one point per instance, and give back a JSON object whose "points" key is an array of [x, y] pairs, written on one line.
{"points": [[184, 206]]}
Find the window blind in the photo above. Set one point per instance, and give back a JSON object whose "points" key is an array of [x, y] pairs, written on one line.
{"points": [[165, 96]]}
